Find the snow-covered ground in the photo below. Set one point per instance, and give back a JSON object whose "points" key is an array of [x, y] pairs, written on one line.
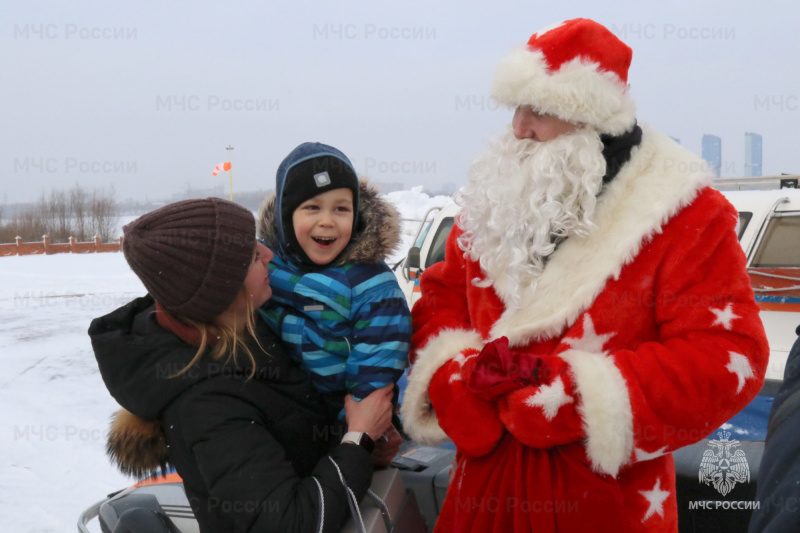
{"points": [[54, 404], [55, 408]]}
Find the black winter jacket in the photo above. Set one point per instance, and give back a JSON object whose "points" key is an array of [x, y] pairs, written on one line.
{"points": [[778, 491], [254, 455]]}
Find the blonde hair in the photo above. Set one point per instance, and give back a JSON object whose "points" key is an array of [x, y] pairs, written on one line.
{"points": [[230, 343]]}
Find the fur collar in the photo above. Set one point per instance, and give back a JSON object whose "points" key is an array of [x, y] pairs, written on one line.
{"points": [[377, 235], [660, 179]]}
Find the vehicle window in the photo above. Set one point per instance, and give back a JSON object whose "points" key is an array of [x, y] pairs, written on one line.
{"points": [[436, 253], [744, 220], [423, 234], [780, 246]]}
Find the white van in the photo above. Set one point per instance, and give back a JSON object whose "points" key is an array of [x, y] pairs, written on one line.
{"points": [[769, 232]]}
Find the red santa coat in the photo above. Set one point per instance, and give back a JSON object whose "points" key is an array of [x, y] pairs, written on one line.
{"points": [[653, 339]]}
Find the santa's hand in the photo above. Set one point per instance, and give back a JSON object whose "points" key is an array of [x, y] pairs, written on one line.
{"points": [[497, 371], [471, 422], [545, 415]]}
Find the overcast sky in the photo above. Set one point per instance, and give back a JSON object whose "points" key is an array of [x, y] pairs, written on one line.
{"points": [[146, 96]]}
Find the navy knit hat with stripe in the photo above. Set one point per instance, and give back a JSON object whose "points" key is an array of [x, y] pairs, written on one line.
{"points": [[309, 170]]}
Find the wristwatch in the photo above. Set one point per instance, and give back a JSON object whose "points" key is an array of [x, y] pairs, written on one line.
{"points": [[361, 439]]}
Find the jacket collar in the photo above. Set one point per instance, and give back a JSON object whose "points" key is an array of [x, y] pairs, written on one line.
{"points": [[186, 333], [617, 150]]}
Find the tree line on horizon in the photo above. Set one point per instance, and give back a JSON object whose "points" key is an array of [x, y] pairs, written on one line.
{"points": [[61, 214]]}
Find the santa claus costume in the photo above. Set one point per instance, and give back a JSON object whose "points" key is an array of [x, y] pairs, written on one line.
{"points": [[639, 336]]}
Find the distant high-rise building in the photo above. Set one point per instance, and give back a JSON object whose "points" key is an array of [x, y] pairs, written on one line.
{"points": [[712, 153], [752, 154]]}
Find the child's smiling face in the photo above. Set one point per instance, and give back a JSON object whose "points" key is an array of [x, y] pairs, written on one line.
{"points": [[323, 224]]}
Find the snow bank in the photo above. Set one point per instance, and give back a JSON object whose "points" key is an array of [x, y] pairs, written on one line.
{"points": [[412, 205]]}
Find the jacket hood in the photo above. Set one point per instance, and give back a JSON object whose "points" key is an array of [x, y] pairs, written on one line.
{"points": [[310, 169], [136, 357], [376, 237], [138, 360]]}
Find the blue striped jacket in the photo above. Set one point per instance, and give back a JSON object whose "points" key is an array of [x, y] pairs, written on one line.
{"points": [[349, 326]]}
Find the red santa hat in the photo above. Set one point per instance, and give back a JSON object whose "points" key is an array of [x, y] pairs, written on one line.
{"points": [[576, 70]]}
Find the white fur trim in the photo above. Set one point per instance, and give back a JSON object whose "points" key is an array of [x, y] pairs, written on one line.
{"points": [[577, 92], [605, 408], [419, 419], [660, 179]]}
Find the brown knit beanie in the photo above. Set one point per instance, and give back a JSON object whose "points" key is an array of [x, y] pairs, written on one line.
{"points": [[192, 256]]}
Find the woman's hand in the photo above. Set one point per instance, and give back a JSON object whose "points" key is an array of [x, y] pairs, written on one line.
{"points": [[386, 448], [372, 415]]}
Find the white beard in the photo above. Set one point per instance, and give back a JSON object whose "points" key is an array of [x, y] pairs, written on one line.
{"points": [[522, 195]]}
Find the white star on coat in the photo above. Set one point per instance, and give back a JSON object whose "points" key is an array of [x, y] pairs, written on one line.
{"points": [[550, 398], [591, 341], [655, 497], [460, 359], [724, 316], [740, 366], [642, 455]]}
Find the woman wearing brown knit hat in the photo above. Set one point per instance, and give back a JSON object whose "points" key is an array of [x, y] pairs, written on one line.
{"points": [[207, 388]]}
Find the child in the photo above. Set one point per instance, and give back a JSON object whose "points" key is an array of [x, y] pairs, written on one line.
{"points": [[336, 304]]}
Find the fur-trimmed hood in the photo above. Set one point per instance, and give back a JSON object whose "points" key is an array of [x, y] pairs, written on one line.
{"points": [[376, 237], [136, 359]]}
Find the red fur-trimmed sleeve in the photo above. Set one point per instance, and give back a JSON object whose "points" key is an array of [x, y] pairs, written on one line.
{"points": [[436, 405], [471, 422], [443, 304]]}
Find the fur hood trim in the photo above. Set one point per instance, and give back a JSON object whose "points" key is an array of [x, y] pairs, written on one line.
{"points": [[137, 446], [376, 238]]}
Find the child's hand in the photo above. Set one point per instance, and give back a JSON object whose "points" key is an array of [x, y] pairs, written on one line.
{"points": [[386, 447], [372, 415]]}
